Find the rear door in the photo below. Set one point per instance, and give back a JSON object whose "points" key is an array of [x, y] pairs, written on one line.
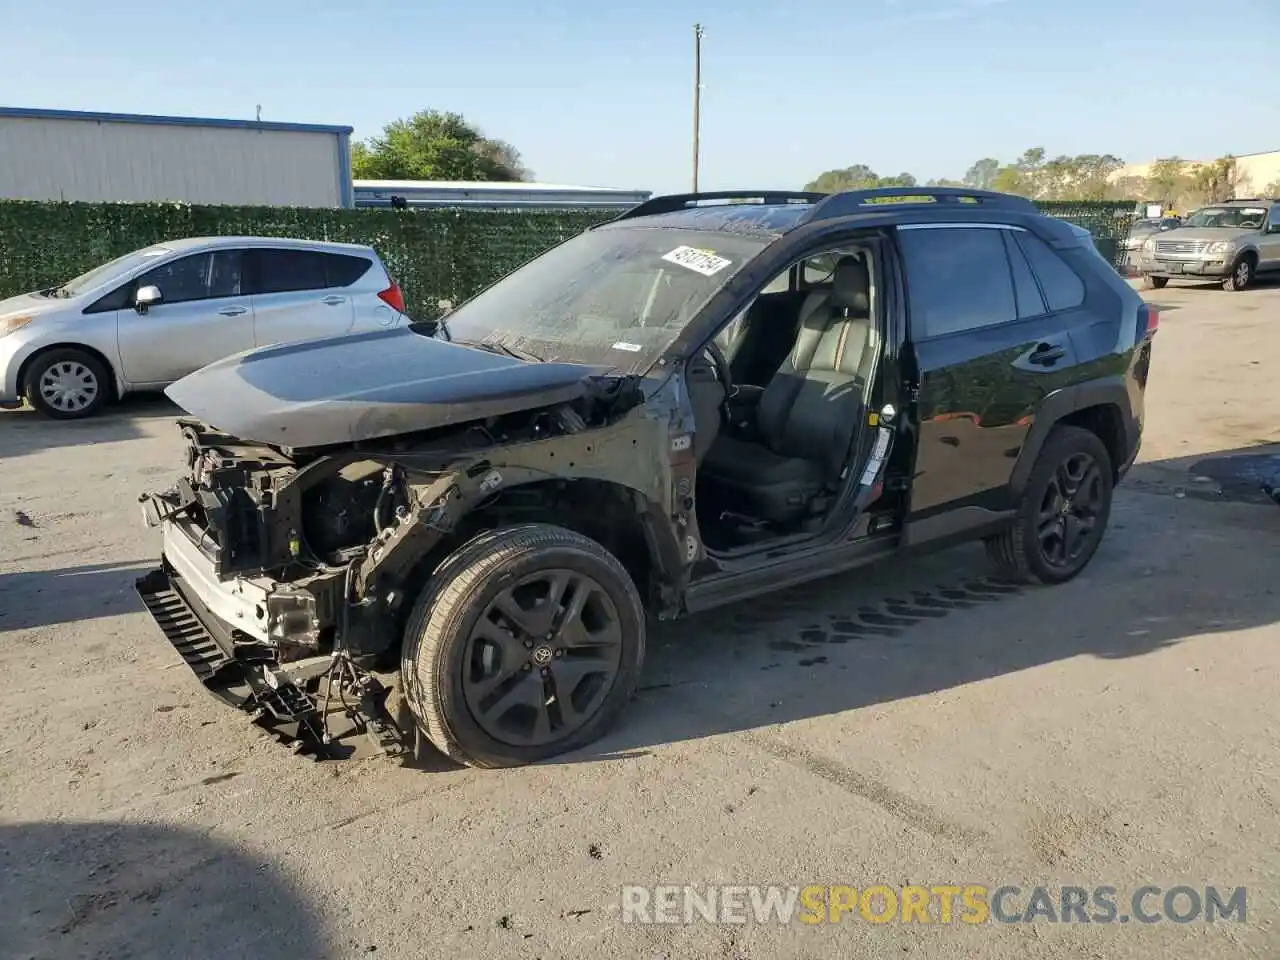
{"points": [[989, 346], [1269, 242], [292, 299], [204, 315]]}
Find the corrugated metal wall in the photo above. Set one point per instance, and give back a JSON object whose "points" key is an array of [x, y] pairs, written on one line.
{"points": [[56, 159]]}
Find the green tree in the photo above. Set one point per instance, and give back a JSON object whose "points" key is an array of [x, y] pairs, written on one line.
{"points": [[857, 177], [433, 145], [1272, 189], [982, 174], [1216, 181], [1167, 181]]}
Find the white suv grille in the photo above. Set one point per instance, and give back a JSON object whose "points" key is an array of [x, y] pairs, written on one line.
{"points": [[1181, 249]]}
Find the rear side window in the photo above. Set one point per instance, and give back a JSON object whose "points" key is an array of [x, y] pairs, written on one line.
{"points": [[1030, 303], [287, 271], [1063, 289], [958, 279], [342, 270]]}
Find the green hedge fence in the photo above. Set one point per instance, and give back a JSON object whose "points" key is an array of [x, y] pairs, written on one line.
{"points": [[439, 254]]}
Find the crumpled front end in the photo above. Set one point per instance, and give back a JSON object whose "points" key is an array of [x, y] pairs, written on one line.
{"points": [[257, 631]]}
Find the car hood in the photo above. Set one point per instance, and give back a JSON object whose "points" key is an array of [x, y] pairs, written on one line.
{"points": [[367, 385], [1199, 234], [29, 305]]}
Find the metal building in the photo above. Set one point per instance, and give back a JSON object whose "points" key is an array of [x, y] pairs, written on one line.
{"points": [[97, 157], [494, 195]]}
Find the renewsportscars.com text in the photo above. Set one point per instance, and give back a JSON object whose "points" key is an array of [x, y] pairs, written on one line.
{"points": [[816, 904]]}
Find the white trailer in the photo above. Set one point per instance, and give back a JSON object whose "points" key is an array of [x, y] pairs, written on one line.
{"points": [[493, 195], [117, 157]]}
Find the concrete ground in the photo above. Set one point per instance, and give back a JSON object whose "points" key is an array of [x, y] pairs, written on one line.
{"points": [[1120, 730]]}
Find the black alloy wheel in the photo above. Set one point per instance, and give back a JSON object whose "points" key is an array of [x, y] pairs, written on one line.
{"points": [[541, 657], [1062, 513], [527, 642], [1070, 509]]}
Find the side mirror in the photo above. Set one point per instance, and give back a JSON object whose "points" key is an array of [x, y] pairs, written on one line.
{"points": [[146, 298]]}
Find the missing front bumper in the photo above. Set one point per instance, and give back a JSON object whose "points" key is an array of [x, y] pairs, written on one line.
{"points": [[283, 703]]}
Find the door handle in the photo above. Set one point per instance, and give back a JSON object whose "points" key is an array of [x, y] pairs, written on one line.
{"points": [[1046, 354], [333, 301], [233, 311]]}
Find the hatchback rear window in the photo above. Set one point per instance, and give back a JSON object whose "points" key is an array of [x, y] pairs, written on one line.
{"points": [[342, 270]]}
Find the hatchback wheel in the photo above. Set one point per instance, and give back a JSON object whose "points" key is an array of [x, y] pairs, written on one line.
{"points": [[67, 384], [1063, 512], [1241, 275], [526, 643]]}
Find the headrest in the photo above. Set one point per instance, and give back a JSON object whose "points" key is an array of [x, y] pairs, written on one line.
{"points": [[851, 285]]}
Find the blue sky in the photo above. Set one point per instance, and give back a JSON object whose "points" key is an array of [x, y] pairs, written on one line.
{"points": [[598, 93]]}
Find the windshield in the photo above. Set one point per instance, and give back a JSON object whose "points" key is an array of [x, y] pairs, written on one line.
{"points": [[615, 297], [1227, 217], [104, 274]]}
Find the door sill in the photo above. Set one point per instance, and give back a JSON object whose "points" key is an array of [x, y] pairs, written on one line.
{"points": [[788, 571]]}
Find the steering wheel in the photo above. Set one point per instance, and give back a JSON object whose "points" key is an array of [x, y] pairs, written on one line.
{"points": [[721, 364]]}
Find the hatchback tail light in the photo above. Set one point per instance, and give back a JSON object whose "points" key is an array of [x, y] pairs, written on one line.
{"points": [[392, 297], [1148, 320]]}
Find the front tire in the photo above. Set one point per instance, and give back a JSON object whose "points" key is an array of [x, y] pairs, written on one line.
{"points": [[1063, 512], [67, 384], [526, 643], [1154, 283], [1241, 275]]}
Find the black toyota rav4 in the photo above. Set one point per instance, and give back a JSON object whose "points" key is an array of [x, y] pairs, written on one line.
{"points": [[709, 397]]}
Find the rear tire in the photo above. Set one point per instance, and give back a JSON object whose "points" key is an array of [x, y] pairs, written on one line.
{"points": [[1154, 283], [67, 384], [1069, 490], [1241, 276], [499, 673]]}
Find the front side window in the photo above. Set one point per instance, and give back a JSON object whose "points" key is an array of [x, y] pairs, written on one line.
{"points": [[201, 276], [617, 296], [958, 279]]}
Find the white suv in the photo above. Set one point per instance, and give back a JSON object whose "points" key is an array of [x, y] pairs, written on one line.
{"points": [[152, 316]]}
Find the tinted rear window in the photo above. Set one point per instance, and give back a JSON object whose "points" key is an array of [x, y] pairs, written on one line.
{"points": [[285, 271], [1062, 288], [958, 278], [342, 270]]}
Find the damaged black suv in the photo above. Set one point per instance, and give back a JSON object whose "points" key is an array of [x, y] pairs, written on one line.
{"points": [[709, 397]]}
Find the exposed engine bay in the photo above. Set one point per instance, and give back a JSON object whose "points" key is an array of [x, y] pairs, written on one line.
{"points": [[287, 574]]}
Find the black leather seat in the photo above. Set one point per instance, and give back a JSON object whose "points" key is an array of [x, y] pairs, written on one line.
{"points": [[809, 412]]}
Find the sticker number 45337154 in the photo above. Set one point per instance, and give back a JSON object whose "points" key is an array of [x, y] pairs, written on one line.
{"points": [[700, 261]]}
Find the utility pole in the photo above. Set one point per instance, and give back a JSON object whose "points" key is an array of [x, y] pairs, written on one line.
{"points": [[697, 99]]}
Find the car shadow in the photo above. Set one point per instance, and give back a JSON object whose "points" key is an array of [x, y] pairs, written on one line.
{"points": [[117, 889], [909, 626], [1248, 474], [41, 598], [906, 629], [24, 431]]}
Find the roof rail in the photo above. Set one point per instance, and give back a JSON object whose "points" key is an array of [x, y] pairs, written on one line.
{"points": [[682, 201], [861, 201]]}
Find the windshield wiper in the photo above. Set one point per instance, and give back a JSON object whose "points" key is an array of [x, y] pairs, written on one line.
{"points": [[502, 348]]}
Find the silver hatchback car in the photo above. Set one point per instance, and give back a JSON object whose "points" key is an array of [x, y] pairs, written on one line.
{"points": [[151, 317]]}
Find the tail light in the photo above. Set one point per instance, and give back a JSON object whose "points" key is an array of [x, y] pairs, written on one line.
{"points": [[1148, 320], [392, 297]]}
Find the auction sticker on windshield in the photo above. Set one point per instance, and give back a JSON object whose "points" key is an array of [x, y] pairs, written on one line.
{"points": [[704, 262]]}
